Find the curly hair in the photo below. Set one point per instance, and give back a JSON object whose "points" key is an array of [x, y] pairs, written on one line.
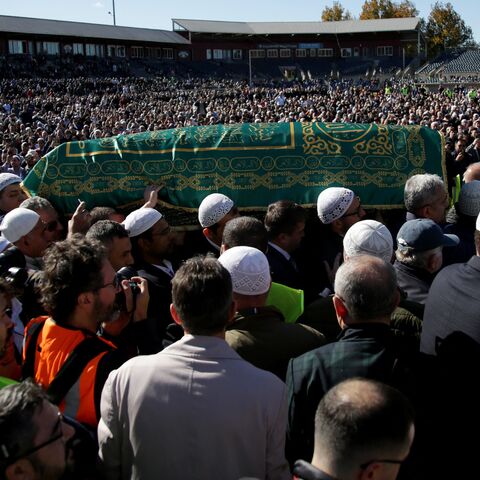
{"points": [[71, 267]]}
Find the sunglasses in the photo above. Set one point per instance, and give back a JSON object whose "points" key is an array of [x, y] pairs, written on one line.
{"points": [[51, 226]]}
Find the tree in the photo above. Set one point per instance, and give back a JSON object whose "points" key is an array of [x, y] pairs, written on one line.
{"points": [[335, 13], [373, 9], [446, 29], [405, 9]]}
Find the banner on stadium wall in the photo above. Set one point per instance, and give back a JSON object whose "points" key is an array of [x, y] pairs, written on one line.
{"points": [[254, 164]]}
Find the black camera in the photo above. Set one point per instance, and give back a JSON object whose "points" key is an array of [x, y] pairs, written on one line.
{"points": [[11, 258], [126, 273], [16, 277], [26, 285]]}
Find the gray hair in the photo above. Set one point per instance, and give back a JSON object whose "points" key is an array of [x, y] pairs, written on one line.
{"points": [[367, 286], [36, 203], [416, 259], [420, 189]]}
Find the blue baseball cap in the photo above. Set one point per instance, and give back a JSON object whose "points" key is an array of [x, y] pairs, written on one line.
{"points": [[423, 234]]}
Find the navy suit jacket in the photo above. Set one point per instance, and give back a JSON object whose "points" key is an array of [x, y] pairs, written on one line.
{"points": [[282, 270]]}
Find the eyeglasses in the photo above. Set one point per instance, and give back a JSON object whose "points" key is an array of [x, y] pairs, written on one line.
{"points": [[355, 212], [115, 283], [363, 466], [4, 453], [7, 311]]}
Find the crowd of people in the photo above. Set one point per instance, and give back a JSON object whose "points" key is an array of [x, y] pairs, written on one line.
{"points": [[41, 114], [326, 347]]}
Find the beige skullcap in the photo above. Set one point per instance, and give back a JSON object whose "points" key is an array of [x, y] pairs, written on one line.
{"points": [[369, 237], [141, 220], [213, 208], [18, 223], [333, 202], [249, 270]]}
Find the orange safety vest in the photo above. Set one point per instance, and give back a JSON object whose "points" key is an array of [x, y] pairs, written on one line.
{"points": [[54, 345]]}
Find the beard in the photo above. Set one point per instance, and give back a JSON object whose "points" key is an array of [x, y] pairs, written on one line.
{"points": [[105, 313]]}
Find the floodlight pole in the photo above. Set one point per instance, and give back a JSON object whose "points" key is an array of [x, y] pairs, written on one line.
{"points": [[250, 66], [113, 13]]}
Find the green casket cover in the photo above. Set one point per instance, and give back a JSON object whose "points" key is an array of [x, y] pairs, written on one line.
{"points": [[254, 164]]}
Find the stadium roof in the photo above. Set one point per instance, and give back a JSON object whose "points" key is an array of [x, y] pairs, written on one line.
{"points": [[279, 28], [77, 29]]}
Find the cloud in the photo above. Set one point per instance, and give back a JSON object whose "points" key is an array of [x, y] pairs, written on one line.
{"points": [[98, 5]]}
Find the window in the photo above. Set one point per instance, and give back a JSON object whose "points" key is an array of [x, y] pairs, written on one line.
{"points": [[285, 53], [217, 54], [137, 52], [90, 50], [257, 53], [325, 52], [300, 52], [356, 52], [272, 53], [158, 52], [48, 48], [209, 54], [148, 52], [346, 52], [99, 50], [168, 53], [312, 52], [17, 46], [115, 51], [237, 54], [384, 51], [77, 48]]}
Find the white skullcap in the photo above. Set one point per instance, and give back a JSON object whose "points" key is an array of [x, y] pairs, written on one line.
{"points": [[213, 208], [333, 202], [141, 220], [7, 179], [369, 237], [469, 199], [477, 225], [249, 270], [18, 222]]}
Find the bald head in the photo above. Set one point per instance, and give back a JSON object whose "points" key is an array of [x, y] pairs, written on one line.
{"points": [[472, 172], [361, 420], [367, 288]]}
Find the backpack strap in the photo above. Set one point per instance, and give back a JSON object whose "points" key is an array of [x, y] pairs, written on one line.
{"points": [[73, 367], [31, 338]]}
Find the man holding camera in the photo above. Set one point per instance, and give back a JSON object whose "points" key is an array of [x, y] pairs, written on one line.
{"points": [[63, 351]]}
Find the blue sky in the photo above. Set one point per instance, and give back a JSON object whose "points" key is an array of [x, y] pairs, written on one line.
{"points": [[158, 13]]}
